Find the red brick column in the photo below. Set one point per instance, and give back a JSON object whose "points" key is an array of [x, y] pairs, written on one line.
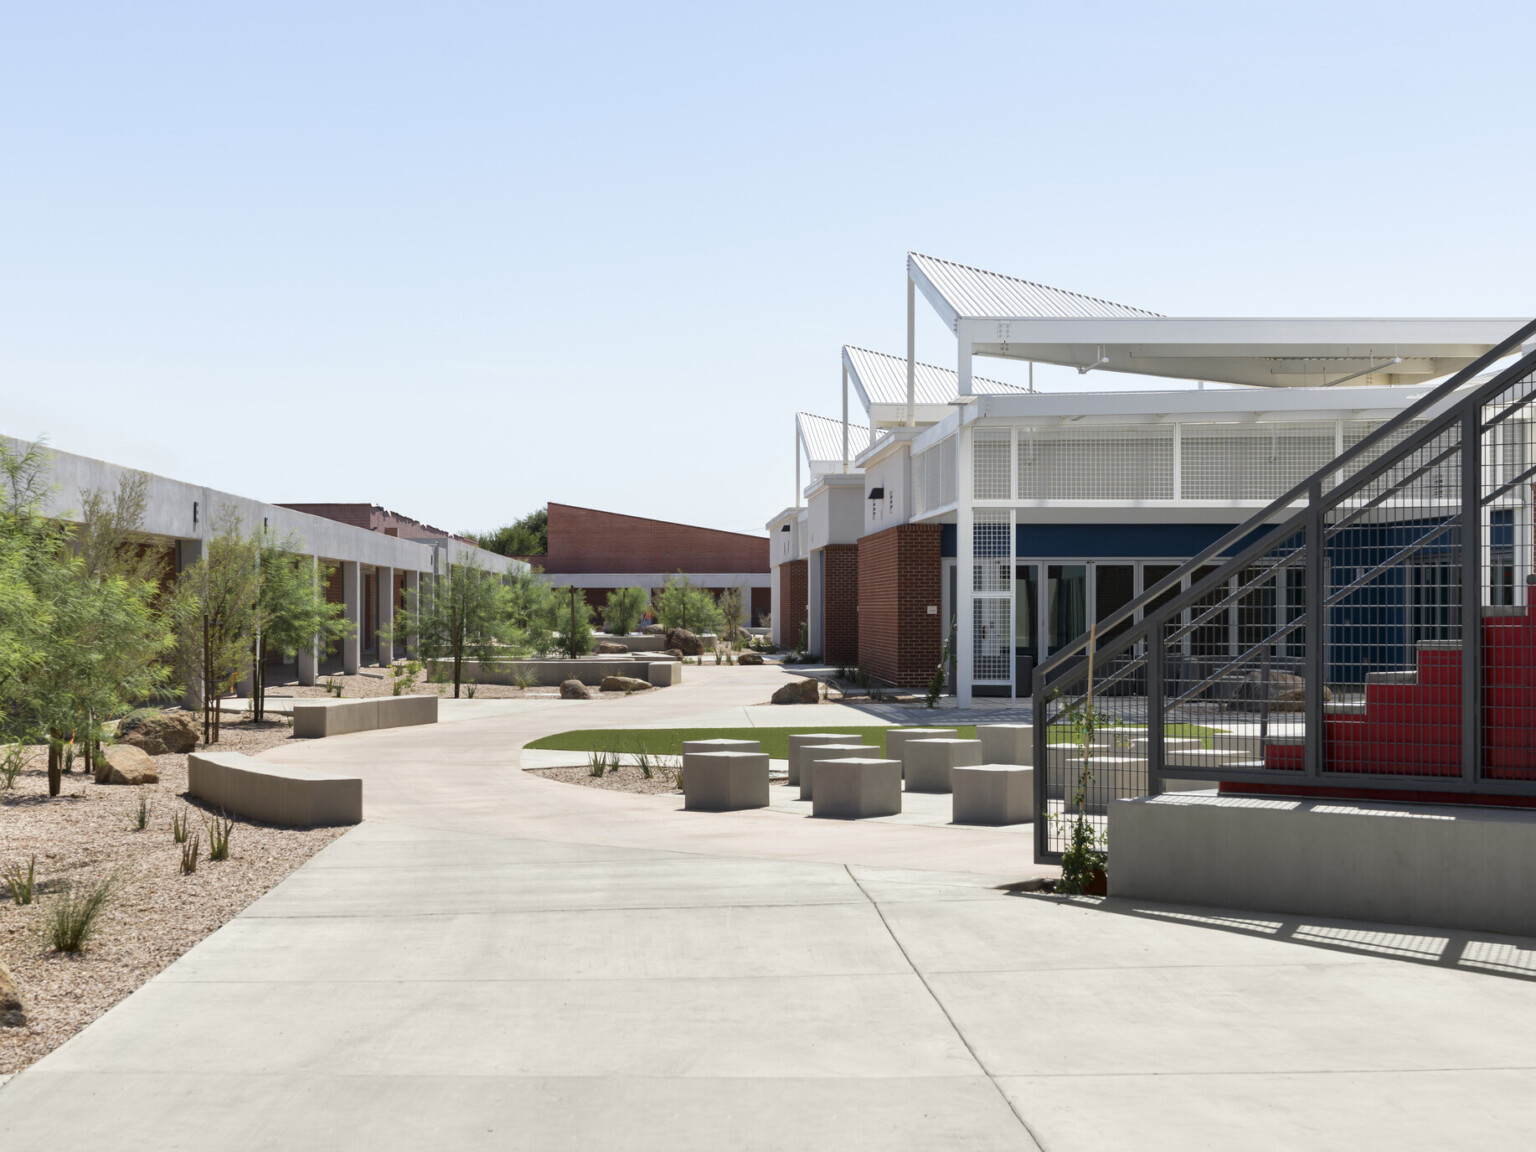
{"points": [[900, 576], [794, 599], [840, 604]]}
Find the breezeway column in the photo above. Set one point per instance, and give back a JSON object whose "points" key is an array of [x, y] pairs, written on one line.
{"points": [[352, 599], [385, 596], [413, 601], [309, 656], [965, 569]]}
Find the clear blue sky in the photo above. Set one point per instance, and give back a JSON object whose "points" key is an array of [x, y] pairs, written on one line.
{"points": [[461, 259]]}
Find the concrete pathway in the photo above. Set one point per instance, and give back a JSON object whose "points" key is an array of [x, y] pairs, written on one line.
{"points": [[500, 961]]}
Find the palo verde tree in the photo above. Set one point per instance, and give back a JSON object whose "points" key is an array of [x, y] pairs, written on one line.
{"points": [[573, 622], [466, 615], [213, 611], [291, 612], [682, 605], [732, 603], [623, 609]]}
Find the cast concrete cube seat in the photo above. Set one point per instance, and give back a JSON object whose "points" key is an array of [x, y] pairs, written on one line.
{"points": [[929, 762], [1111, 778], [1006, 743], [798, 741], [896, 739], [813, 754], [857, 788], [273, 793], [314, 719], [1058, 755], [720, 745], [993, 794], [725, 781], [664, 673]]}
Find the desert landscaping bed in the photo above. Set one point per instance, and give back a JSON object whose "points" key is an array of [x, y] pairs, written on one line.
{"points": [[625, 778], [87, 833]]}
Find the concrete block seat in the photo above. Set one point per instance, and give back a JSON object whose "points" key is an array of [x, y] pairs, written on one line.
{"points": [[243, 786], [798, 741], [929, 762], [664, 673], [993, 794], [1171, 744], [1112, 778], [719, 745], [313, 719], [814, 754], [1006, 743], [896, 739], [725, 781], [857, 788]]}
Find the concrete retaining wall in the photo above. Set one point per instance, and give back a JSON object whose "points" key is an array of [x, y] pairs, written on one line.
{"points": [[239, 785], [1446, 866], [589, 671], [313, 719]]}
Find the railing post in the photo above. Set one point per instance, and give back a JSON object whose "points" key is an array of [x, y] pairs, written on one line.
{"points": [[1471, 593], [1155, 706], [1317, 640], [1042, 768]]}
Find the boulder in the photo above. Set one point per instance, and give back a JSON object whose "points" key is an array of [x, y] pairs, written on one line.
{"points": [[798, 691], [623, 684], [13, 1009], [653, 630], [749, 658], [1286, 691], [685, 642], [125, 764], [159, 732], [574, 690], [675, 653], [612, 648]]}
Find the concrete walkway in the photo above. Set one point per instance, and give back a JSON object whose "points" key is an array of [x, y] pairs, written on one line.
{"points": [[500, 961]]}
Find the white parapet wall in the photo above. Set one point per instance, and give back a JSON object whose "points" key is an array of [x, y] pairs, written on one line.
{"points": [[1450, 866]]}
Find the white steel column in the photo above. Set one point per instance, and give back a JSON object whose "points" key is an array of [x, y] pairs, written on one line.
{"points": [[911, 357], [384, 602], [964, 382], [352, 598], [308, 664], [413, 601], [965, 569], [796, 502], [845, 418]]}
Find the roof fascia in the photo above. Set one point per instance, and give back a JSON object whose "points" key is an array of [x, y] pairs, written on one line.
{"points": [[935, 298], [1193, 406], [858, 384]]}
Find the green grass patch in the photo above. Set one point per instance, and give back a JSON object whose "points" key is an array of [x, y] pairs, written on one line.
{"points": [[669, 741]]}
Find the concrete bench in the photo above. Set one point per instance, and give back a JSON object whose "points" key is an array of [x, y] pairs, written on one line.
{"points": [[240, 785], [813, 754], [799, 741], [664, 673], [725, 781], [993, 794], [313, 719], [928, 762], [896, 739], [857, 788], [1006, 743], [719, 745]]}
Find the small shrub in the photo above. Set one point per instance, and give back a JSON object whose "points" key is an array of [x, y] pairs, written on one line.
{"points": [[22, 884], [877, 694], [334, 687], [524, 677], [12, 757], [402, 676], [470, 685], [141, 813], [179, 826], [219, 829], [75, 913], [189, 849], [598, 765]]}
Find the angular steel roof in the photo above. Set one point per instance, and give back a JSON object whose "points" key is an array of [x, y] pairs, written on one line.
{"points": [[882, 379], [958, 290], [823, 438]]}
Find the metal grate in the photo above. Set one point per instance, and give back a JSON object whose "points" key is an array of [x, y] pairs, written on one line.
{"points": [[1112, 463], [947, 488], [919, 489], [1337, 648], [992, 587], [991, 449], [1228, 462]]}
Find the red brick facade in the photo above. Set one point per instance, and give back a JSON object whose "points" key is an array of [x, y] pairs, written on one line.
{"points": [[377, 519], [794, 596], [840, 604], [584, 540], [899, 579]]}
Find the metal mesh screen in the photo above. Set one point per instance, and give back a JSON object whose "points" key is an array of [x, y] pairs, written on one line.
{"points": [[990, 460], [1096, 464], [919, 487], [992, 587], [948, 491], [1237, 462]]}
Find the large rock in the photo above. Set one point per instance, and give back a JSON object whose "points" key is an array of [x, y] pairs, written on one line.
{"points": [[653, 630], [1285, 691], [749, 658], [125, 764], [159, 732], [612, 648], [574, 690], [685, 642], [798, 691], [675, 653], [623, 684], [13, 1009]]}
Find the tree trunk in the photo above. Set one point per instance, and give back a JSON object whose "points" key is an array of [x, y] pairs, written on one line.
{"points": [[55, 766]]}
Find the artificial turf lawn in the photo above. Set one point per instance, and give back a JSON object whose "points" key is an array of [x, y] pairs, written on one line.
{"points": [[774, 741]]}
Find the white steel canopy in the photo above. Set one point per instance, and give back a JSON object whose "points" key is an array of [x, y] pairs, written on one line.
{"points": [[1005, 317], [881, 382]]}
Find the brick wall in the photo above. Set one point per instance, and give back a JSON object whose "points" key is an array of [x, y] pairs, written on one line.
{"points": [[899, 575], [587, 540], [840, 604], [794, 596]]}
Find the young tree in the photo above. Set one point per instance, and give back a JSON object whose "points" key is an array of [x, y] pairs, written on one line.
{"points": [[681, 605], [623, 609], [213, 610], [732, 605], [467, 614], [291, 611], [573, 622]]}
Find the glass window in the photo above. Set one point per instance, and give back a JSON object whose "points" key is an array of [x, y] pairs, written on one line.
{"points": [[1026, 613], [1066, 603], [1114, 588], [1150, 575], [1210, 638]]}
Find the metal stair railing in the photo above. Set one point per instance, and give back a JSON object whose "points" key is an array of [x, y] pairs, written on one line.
{"points": [[1372, 571]]}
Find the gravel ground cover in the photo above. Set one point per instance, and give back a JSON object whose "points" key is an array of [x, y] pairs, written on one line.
{"points": [[86, 833], [376, 682], [669, 741], [627, 778]]}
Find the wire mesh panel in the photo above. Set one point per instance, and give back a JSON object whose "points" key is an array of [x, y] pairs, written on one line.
{"points": [[919, 486], [1110, 463], [1241, 462], [991, 449], [992, 592], [947, 486]]}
